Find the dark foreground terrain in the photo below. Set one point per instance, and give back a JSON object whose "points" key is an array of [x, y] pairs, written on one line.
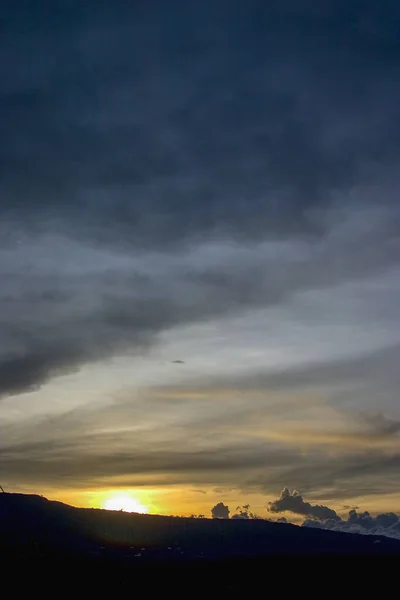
{"points": [[52, 545]]}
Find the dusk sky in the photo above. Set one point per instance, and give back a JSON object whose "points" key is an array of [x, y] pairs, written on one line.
{"points": [[200, 252]]}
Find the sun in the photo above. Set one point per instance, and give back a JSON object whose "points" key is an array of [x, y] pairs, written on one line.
{"points": [[124, 502]]}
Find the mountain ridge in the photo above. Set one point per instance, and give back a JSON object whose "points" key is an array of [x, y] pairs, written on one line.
{"points": [[34, 521]]}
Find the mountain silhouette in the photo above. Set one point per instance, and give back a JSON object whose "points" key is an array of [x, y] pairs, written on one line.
{"points": [[51, 535]]}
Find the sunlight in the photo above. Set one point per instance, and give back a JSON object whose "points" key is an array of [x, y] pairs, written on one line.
{"points": [[124, 502]]}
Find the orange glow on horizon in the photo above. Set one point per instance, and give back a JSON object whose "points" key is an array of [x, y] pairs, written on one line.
{"points": [[124, 502]]}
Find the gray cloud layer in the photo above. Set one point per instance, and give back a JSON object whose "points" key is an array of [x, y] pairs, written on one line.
{"points": [[164, 164], [163, 439], [131, 129], [64, 304]]}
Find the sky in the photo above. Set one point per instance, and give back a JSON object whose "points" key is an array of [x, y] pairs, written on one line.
{"points": [[200, 253]]}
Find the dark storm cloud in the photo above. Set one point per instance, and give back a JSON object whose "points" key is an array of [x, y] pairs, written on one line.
{"points": [[132, 128], [154, 122]]}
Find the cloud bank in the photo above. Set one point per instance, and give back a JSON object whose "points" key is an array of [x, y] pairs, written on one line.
{"points": [[324, 517]]}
